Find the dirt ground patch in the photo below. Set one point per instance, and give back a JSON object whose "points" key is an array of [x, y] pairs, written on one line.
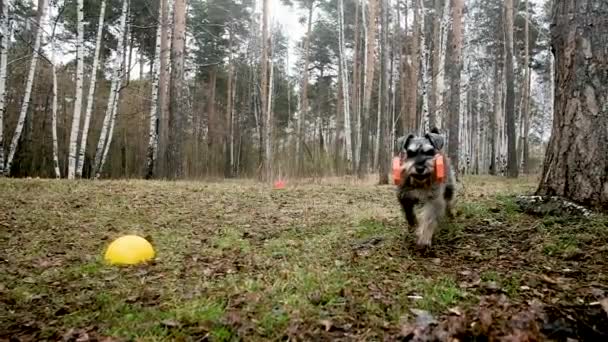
{"points": [[333, 261]]}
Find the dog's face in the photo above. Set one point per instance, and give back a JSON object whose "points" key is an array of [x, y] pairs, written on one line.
{"points": [[419, 154]]}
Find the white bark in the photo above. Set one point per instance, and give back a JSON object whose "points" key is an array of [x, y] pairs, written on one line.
{"points": [[78, 97], [357, 155], [445, 27], [424, 118], [108, 123], [4, 32], [28, 90], [153, 130], [54, 107], [92, 84], [345, 83], [269, 116]]}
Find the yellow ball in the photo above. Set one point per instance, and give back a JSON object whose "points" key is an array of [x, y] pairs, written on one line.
{"points": [[129, 250]]}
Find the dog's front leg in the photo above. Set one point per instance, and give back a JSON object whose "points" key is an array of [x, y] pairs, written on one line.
{"points": [[432, 212]]}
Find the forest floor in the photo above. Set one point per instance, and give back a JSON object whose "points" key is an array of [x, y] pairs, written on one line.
{"points": [[332, 261]]}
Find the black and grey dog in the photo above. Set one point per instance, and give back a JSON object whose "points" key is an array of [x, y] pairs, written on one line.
{"points": [[418, 184]]}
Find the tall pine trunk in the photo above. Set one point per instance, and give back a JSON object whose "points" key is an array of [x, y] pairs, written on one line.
{"points": [[90, 97], [4, 32], [176, 106], [161, 167], [383, 151], [576, 163], [455, 57], [107, 127], [28, 87], [73, 152], [152, 151], [369, 81], [512, 164]]}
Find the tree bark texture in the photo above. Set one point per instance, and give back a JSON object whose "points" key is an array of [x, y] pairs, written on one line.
{"points": [[303, 112], [512, 164], [383, 151], [90, 97], [152, 151], [163, 88], [28, 88], [576, 163], [73, 147], [4, 32], [176, 113], [455, 58], [369, 82]]}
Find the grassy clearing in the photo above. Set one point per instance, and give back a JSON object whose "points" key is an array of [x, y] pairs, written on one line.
{"points": [[237, 260]]}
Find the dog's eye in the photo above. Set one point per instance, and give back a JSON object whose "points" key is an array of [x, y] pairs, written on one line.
{"points": [[411, 154]]}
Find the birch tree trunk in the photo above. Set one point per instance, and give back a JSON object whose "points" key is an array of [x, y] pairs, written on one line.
{"points": [[345, 83], [412, 64], [526, 104], [455, 70], [442, 117], [73, 153], [362, 86], [435, 57], [152, 150], [4, 31], [107, 127], [28, 87], [269, 115], [368, 82], [90, 96], [576, 163], [424, 54], [54, 106], [512, 164], [229, 134], [304, 94], [356, 86]]}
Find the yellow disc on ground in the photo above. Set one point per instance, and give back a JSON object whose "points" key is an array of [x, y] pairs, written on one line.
{"points": [[129, 250]]}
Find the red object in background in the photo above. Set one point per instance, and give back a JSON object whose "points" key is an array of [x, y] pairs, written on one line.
{"points": [[280, 184], [396, 170]]}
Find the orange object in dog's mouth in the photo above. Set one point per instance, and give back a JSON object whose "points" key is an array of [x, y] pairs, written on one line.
{"points": [[439, 165], [439, 168]]}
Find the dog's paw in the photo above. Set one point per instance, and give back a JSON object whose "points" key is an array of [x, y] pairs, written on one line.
{"points": [[425, 250]]}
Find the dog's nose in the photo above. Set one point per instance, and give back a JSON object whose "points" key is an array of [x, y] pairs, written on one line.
{"points": [[419, 169]]}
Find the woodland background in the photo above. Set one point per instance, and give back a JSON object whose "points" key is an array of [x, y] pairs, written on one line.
{"points": [[189, 89]]}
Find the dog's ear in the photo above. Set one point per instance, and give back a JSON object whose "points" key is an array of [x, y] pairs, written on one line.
{"points": [[435, 138], [403, 141]]}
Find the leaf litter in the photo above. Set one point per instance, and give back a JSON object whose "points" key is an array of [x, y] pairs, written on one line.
{"points": [[321, 262]]}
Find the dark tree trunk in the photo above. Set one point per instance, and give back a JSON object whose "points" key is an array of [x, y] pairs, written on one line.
{"points": [[576, 163], [455, 58], [176, 106], [512, 165], [383, 151]]}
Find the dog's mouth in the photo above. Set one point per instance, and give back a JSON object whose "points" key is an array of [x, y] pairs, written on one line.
{"points": [[421, 176]]}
